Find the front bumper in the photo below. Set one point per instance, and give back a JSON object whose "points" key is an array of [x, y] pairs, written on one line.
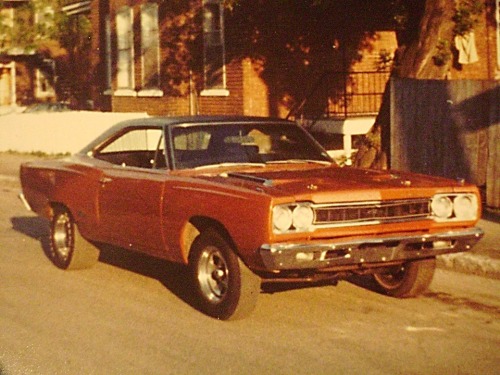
{"points": [[369, 252]]}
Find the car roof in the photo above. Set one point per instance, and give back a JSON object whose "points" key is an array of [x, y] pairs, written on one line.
{"points": [[161, 121], [176, 120]]}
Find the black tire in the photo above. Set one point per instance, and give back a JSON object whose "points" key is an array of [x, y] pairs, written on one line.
{"points": [[409, 280], [225, 287], [68, 249]]}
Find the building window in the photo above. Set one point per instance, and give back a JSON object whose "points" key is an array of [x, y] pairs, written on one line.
{"points": [[125, 45], [498, 37], [43, 85], [44, 19], [8, 84], [7, 17], [150, 50], [213, 48], [6, 25], [107, 54]]}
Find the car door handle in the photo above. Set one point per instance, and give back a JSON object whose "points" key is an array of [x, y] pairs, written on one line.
{"points": [[105, 180]]}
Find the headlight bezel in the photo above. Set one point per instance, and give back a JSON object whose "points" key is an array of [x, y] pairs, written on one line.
{"points": [[458, 210], [301, 218], [465, 213], [281, 218], [442, 207]]}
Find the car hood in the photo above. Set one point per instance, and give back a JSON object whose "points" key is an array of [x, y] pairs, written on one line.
{"points": [[320, 184]]}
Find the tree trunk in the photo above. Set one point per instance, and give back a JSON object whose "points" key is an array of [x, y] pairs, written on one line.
{"points": [[428, 56]]}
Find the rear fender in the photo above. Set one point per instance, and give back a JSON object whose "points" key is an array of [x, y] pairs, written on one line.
{"points": [[46, 185]]}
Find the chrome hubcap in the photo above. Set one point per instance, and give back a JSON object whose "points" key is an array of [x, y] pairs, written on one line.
{"points": [[62, 236], [213, 275]]}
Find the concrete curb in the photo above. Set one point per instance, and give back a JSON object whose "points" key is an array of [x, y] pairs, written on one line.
{"points": [[473, 264]]}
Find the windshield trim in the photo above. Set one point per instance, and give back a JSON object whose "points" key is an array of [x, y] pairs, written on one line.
{"points": [[295, 145]]}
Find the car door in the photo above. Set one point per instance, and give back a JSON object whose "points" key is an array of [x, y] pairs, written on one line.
{"points": [[131, 191]]}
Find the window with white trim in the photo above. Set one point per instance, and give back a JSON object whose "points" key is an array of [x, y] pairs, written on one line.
{"points": [[43, 85], [107, 53], [44, 20], [125, 45], [7, 17], [213, 48], [150, 48], [6, 25]]}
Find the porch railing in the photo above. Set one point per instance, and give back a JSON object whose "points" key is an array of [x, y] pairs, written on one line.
{"points": [[341, 95]]}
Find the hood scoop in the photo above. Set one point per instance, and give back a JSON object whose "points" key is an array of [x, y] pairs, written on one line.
{"points": [[247, 177]]}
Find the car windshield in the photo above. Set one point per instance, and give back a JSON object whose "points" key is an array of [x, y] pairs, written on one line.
{"points": [[197, 146]]}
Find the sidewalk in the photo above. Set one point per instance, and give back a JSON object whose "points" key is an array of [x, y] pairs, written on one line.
{"points": [[482, 260]]}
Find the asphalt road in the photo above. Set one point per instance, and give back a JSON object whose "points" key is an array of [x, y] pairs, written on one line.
{"points": [[132, 315]]}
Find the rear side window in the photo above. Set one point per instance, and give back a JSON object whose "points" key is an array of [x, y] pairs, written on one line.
{"points": [[135, 140], [142, 148]]}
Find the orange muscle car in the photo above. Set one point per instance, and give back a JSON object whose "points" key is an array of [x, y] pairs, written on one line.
{"points": [[247, 200]]}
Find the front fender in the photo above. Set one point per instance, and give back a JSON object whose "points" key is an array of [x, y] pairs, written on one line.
{"points": [[243, 215]]}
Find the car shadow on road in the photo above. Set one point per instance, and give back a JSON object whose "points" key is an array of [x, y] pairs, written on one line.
{"points": [[175, 277], [35, 227], [32, 226], [366, 282]]}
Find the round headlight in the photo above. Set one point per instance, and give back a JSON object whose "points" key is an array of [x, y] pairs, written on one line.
{"points": [[282, 218], [465, 207], [303, 217], [442, 207]]}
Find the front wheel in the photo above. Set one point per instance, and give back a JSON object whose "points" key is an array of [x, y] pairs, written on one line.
{"points": [[225, 287], [68, 249], [408, 280]]}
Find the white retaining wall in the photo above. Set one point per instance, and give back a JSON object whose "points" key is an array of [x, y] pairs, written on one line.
{"points": [[58, 132]]}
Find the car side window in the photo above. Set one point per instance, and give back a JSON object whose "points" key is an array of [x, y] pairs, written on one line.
{"points": [[190, 146], [141, 148], [192, 140]]}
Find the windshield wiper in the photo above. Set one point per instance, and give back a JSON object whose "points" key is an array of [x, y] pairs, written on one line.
{"points": [[299, 161], [229, 164]]}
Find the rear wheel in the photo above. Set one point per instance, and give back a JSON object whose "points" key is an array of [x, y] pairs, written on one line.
{"points": [[69, 250], [225, 287], [407, 280]]}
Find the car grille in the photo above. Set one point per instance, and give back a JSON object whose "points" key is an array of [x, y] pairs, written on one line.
{"points": [[363, 213]]}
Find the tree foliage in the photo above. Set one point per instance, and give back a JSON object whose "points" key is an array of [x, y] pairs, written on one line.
{"points": [[41, 28], [466, 16], [425, 28], [34, 23], [296, 42]]}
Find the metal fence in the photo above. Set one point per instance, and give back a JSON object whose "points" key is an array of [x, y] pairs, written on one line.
{"points": [[356, 93], [342, 94]]}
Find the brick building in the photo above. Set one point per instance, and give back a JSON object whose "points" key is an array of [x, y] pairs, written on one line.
{"points": [[198, 57], [163, 59], [260, 58]]}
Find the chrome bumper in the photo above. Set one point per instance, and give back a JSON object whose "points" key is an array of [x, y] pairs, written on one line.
{"points": [[366, 252], [24, 201]]}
